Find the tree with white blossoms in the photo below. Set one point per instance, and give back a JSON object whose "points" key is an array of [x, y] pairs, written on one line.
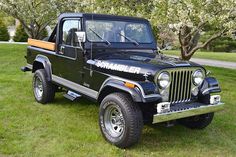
{"points": [[190, 18], [35, 15]]}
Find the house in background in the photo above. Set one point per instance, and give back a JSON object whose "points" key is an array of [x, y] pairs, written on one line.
{"points": [[12, 30]]}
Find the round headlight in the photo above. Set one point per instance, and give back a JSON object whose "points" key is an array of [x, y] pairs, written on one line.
{"points": [[163, 80], [198, 77]]}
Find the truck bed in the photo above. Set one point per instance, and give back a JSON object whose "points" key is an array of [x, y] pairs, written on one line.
{"points": [[42, 44]]}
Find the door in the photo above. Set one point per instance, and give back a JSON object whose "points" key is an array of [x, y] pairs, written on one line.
{"points": [[70, 54]]}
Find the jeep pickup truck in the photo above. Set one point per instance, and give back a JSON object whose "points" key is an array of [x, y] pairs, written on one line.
{"points": [[115, 61]]}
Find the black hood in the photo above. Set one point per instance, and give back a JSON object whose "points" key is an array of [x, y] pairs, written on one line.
{"points": [[136, 64]]}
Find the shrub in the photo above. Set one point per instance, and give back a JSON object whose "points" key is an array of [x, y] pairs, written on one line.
{"points": [[20, 35], [220, 48], [4, 35], [223, 44]]}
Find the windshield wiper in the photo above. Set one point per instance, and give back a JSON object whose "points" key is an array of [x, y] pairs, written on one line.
{"points": [[100, 36], [131, 40]]}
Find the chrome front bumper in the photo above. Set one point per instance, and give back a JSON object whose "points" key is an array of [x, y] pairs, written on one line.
{"points": [[198, 109]]}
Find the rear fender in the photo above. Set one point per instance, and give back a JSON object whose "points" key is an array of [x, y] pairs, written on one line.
{"points": [[43, 62]]}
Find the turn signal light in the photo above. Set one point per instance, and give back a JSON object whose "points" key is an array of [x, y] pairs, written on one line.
{"points": [[129, 85]]}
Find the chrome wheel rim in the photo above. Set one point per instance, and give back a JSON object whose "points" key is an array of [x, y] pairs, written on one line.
{"points": [[38, 87], [114, 120]]}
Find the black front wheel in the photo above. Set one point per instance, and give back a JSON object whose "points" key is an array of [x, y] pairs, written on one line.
{"points": [[44, 90], [197, 122], [120, 120]]}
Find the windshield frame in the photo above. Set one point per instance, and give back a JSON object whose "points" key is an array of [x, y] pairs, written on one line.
{"points": [[131, 21]]}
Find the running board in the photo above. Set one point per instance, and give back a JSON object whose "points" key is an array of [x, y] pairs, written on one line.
{"points": [[71, 95]]}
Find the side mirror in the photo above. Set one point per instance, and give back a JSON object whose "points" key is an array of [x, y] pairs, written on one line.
{"points": [[81, 37]]}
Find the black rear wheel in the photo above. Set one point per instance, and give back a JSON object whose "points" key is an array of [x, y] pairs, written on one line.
{"points": [[120, 120], [197, 122], [44, 90]]}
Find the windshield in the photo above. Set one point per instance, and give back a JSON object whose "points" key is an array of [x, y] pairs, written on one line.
{"points": [[117, 31]]}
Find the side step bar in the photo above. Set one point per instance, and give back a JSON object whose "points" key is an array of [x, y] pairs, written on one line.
{"points": [[72, 95], [28, 67], [25, 68]]}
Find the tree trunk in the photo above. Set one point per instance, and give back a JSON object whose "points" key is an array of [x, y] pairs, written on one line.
{"points": [[188, 42], [32, 32]]}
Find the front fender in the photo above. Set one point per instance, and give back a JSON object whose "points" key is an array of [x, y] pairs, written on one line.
{"points": [[142, 92], [210, 85], [135, 94]]}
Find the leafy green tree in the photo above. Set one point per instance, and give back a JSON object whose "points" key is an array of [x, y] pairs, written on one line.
{"points": [[184, 20], [35, 15], [4, 35], [222, 44], [189, 18], [20, 35], [8, 20]]}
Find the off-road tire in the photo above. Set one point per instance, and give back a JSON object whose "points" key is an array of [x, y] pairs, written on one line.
{"points": [[48, 89], [197, 122], [131, 114]]}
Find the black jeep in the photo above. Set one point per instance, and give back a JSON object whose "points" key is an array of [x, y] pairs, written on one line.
{"points": [[114, 61]]}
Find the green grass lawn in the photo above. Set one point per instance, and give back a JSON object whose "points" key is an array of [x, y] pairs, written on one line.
{"points": [[65, 128], [223, 56]]}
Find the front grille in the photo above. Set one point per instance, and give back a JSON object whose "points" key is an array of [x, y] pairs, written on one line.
{"points": [[180, 87]]}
